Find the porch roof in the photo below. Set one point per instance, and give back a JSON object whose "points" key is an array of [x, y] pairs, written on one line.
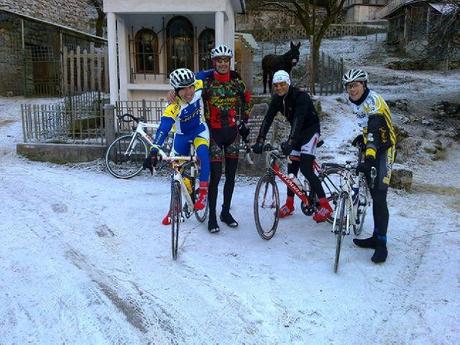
{"points": [[173, 6]]}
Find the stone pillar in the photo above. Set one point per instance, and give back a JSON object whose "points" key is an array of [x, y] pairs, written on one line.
{"points": [[109, 118], [123, 59], [230, 34], [112, 43], [219, 28]]}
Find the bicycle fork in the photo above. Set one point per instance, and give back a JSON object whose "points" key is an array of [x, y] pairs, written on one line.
{"points": [[188, 206], [349, 214], [132, 145]]}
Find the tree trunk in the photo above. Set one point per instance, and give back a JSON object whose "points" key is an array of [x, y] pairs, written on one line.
{"points": [[100, 21], [314, 62]]}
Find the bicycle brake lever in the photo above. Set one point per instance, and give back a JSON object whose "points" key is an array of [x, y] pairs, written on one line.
{"points": [[247, 150], [248, 158]]}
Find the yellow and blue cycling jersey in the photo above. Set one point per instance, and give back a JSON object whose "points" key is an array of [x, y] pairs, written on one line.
{"points": [[187, 118], [190, 128]]}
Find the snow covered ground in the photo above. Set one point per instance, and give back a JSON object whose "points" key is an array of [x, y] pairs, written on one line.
{"points": [[84, 259]]}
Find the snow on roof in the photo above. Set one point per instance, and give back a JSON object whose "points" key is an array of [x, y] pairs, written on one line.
{"points": [[249, 39], [444, 8], [395, 5]]}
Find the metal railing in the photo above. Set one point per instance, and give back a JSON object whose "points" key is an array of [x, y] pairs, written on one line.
{"points": [[75, 120], [148, 111]]}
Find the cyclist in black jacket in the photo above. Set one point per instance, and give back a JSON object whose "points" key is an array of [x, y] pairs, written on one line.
{"points": [[297, 107]]}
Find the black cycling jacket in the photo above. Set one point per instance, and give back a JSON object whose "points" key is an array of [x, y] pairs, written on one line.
{"points": [[299, 111]]}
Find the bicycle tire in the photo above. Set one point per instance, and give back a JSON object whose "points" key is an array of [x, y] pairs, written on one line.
{"points": [[340, 231], [266, 191], [361, 212], [175, 209], [125, 166], [201, 215]]}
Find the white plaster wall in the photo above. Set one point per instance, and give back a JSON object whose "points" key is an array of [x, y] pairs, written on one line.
{"points": [[359, 13], [139, 95], [135, 14]]}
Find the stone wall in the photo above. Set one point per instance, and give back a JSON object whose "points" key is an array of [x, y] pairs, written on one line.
{"points": [[76, 14], [279, 26], [263, 20], [34, 70], [11, 58]]}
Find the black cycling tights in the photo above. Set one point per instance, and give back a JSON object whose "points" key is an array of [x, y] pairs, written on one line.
{"points": [[231, 165], [380, 211], [306, 167]]}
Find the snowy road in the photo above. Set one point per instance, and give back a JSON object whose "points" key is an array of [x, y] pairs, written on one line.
{"points": [[84, 260]]}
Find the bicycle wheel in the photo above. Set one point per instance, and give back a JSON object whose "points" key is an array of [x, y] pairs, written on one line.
{"points": [[200, 215], [175, 209], [361, 211], [266, 207], [124, 160], [340, 227], [331, 180]]}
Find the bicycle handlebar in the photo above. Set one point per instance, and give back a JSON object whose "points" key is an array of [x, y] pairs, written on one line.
{"points": [[128, 118], [165, 157]]}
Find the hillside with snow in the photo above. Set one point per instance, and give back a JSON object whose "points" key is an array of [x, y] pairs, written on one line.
{"points": [[85, 260]]}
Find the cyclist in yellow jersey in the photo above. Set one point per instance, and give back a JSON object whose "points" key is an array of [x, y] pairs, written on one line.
{"points": [[190, 127], [378, 140]]}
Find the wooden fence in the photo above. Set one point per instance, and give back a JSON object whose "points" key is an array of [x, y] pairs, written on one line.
{"points": [[85, 70], [329, 78]]}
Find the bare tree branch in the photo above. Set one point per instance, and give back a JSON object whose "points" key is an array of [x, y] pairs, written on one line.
{"points": [[100, 21]]}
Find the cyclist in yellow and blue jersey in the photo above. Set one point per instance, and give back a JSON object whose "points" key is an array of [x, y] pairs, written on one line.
{"points": [[190, 128], [378, 139]]}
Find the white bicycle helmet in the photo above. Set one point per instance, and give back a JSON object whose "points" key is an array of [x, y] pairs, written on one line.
{"points": [[355, 75], [181, 77], [221, 50]]}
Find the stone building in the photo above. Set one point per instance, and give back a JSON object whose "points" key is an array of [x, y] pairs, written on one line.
{"points": [[32, 36], [357, 11]]}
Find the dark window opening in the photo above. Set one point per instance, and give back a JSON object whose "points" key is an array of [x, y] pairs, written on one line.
{"points": [[180, 44], [146, 42], [206, 42]]}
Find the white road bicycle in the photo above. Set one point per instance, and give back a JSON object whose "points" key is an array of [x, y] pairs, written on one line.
{"points": [[350, 212], [125, 156], [184, 192]]}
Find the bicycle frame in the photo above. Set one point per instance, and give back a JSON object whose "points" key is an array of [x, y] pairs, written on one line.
{"points": [[177, 176], [140, 130], [177, 162], [274, 168], [352, 205]]}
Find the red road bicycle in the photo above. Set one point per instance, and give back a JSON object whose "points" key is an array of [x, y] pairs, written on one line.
{"points": [[267, 199]]}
